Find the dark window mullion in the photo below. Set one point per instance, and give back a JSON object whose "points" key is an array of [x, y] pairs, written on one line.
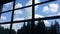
{"points": [[1, 6], [32, 22], [12, 17]]}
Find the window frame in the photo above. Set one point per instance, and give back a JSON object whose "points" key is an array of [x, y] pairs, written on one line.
{"points": [[33, 14]]}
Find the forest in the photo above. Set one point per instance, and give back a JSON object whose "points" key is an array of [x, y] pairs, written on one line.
{"points": [[40, 28]]}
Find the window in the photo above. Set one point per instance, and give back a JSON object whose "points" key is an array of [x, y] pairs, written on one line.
{"points": [[27, 17], [47, 10], [5, 17], [4, 28], [23, 14], [7, 6]]}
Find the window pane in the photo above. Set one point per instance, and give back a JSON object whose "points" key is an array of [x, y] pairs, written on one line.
{"points": [[47, 26], [23, 14], [21, 28], [47, 9], [4, 28], [5, 17], [22, 3], [7, 6]]}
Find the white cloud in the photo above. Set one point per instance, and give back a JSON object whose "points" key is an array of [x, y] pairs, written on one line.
{"points": [[38, 16], [6, 26], [4, 9], [17, 26], [46, 23], [3, 17], [18, 5], [46, 8], [52, 8], [30, 2], [29, 10], [8, 4], [16, 19], [18, 11]]}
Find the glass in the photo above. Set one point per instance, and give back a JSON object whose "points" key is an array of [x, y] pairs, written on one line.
{"points": [[22, 3], [7, 6], [23, 14], [4, 28], [47, 9], [21, 27], [5, 17], [47, 26]]}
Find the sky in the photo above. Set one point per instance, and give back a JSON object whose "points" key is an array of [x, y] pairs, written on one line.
{"points": [[43, 10]]}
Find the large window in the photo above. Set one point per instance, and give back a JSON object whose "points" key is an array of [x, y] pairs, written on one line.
{"points": [[30, 17]]}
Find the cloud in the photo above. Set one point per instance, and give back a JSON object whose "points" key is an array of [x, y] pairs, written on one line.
{"points": [[29, 9], [52, 8], [30, 2], [45, 21], [18, 12], [8, 4], [6, 26], [38, 16], [4, 9], [3, 17], [16, 19], [17, 26], [18, 5], [46, 8], [58, 13]]}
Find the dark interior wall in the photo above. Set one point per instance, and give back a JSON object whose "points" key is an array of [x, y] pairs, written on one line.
{"points": [[5, 1]]}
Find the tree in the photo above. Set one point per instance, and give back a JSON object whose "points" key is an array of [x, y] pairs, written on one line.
{"points": [[23, 30], [1, 30], [40, 28], [54, 28]]}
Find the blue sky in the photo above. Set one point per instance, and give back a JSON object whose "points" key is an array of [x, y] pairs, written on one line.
{"points": [[43, 10]]}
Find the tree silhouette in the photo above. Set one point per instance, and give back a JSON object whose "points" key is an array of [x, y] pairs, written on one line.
{"points": [[21, 31], [54, 27], [1, 30], [6, 31], [40, 28], [25, 29]]}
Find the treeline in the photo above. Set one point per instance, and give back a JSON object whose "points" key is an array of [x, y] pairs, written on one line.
{"points": [[40, 28]]}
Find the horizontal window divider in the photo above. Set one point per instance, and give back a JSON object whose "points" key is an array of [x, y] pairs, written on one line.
{"points": [[36, 19]]}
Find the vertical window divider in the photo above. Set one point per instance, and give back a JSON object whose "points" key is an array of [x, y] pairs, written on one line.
{"points": [[32, 22], [12, 17]]}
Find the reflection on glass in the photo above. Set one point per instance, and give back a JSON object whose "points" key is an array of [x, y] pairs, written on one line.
{"points": [[23, 14], [5, 17], [4, 28], [7, 6]]}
